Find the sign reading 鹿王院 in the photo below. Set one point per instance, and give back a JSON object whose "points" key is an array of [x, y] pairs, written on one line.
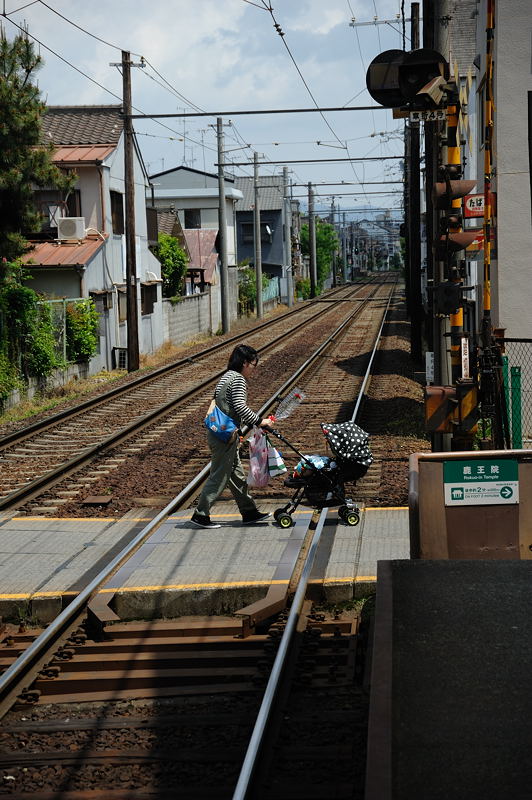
{"points": [[481, 482]]}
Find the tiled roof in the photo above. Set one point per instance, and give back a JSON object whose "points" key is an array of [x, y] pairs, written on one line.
{"points": [[53, 254], [64, 125], [203, 254], [270, 193]]}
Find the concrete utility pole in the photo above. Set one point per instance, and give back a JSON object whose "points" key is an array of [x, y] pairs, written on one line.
{"points": [[222, 229], [287, 238], [333, 255], [133, 359], [312, 241], [414, 215], [344, 249], [256, 235]]}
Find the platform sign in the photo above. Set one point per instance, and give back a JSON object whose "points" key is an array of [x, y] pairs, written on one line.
{"points": [[481, 482]]}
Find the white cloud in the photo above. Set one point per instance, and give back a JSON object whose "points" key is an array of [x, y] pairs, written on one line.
{"points": [[221, 55]]}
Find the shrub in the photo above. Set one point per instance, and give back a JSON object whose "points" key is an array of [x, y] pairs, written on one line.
{"points": [[173, 264], [303, 288], [81, 330]]}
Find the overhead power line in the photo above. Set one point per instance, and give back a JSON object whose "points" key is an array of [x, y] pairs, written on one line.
{"points": [[259, 111], [318, 160]]}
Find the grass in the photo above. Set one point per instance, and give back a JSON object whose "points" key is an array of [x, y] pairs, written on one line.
{"points": [[53, 397], [76, 388]]}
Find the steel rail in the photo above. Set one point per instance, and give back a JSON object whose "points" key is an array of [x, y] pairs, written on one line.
{"points": [[48, 479], [252, 756], [272, 687], [50, 421], [37, 654], [367, 375]]}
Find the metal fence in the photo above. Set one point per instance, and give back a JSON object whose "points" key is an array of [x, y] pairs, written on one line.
{"points": [[517, 378], [58, 314], [271, 291]]}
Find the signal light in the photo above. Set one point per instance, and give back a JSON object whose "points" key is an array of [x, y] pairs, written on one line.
{"points": [[447, 298], [417, 78], [444, 193], [454, 242], [417, 75]]}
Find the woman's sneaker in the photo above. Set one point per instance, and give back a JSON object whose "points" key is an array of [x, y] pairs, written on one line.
{"points": [[204, 522]]}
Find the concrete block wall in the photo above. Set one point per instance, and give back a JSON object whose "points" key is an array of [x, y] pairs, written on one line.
{"points": [[188, 318], [57, 379], [199, 313]]}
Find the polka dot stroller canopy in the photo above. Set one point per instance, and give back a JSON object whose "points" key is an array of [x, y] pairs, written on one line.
{"points": [[348, 442]]}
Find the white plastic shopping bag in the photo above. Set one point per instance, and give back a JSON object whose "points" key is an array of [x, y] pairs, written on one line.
{"points": [[258, 475], [276, 465]]}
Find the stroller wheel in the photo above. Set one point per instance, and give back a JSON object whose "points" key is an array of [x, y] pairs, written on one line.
{"points": [[349, 516], [284, 520], [352, 518], [277, 512]]}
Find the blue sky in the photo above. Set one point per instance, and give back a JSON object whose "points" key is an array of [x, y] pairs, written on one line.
{"points": [[223, 55]]}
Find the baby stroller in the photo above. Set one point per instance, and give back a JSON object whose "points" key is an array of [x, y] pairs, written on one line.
{"points": [[321, 479]]}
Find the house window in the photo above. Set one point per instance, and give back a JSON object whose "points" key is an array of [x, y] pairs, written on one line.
{"points": [[192, 217], [117, 212], [247, 231], [148, 298], [51, 206]]}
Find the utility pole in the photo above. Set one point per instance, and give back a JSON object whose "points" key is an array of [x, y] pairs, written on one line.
{"points": [[133, 359], [344, 249], [287, 233], [414, 214], [256, 235], [312, 241], [333, 257], [222, 228]]}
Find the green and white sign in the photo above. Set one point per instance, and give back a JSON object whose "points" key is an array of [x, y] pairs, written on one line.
{"points": [[481, 482]]}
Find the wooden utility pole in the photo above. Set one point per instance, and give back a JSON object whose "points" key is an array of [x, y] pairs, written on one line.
{"points": [[222, 229], [256, 235], [312, 241], [133, 361]]}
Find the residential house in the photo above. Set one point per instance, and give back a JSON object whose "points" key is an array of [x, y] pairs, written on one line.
{"points": [[80, 251], [271, 202], [194, 197]]}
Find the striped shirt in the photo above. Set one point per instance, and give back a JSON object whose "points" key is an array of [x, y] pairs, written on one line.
{"points": [[236, 394]]}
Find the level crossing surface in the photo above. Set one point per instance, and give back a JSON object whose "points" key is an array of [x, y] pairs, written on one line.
{"points": [[182, 569]]}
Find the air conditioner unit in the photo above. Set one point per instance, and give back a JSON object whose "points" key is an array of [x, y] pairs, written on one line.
{"points": [[71, 228]]}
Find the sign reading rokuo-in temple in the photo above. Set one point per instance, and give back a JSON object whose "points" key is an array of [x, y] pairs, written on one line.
{"points": [[481, 482]]}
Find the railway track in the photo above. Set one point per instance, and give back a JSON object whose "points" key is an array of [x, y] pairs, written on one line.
{"points": [[193, 718], [143, 455], [133, 710]]}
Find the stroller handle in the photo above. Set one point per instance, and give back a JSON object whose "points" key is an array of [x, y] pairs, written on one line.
{"points": [[288, 444]]}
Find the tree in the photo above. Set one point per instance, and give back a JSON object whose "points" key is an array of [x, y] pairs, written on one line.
{"points": [[327, 243], [24, 160], [173, 264]]}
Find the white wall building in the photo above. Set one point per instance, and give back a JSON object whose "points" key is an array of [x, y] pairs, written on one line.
{"points": [[89, 141]]}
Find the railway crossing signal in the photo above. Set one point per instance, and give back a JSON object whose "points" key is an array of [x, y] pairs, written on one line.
{"points": [[417, 79]]}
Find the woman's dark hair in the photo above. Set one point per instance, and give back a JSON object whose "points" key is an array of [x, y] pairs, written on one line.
{"points": [[242, 354]]}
